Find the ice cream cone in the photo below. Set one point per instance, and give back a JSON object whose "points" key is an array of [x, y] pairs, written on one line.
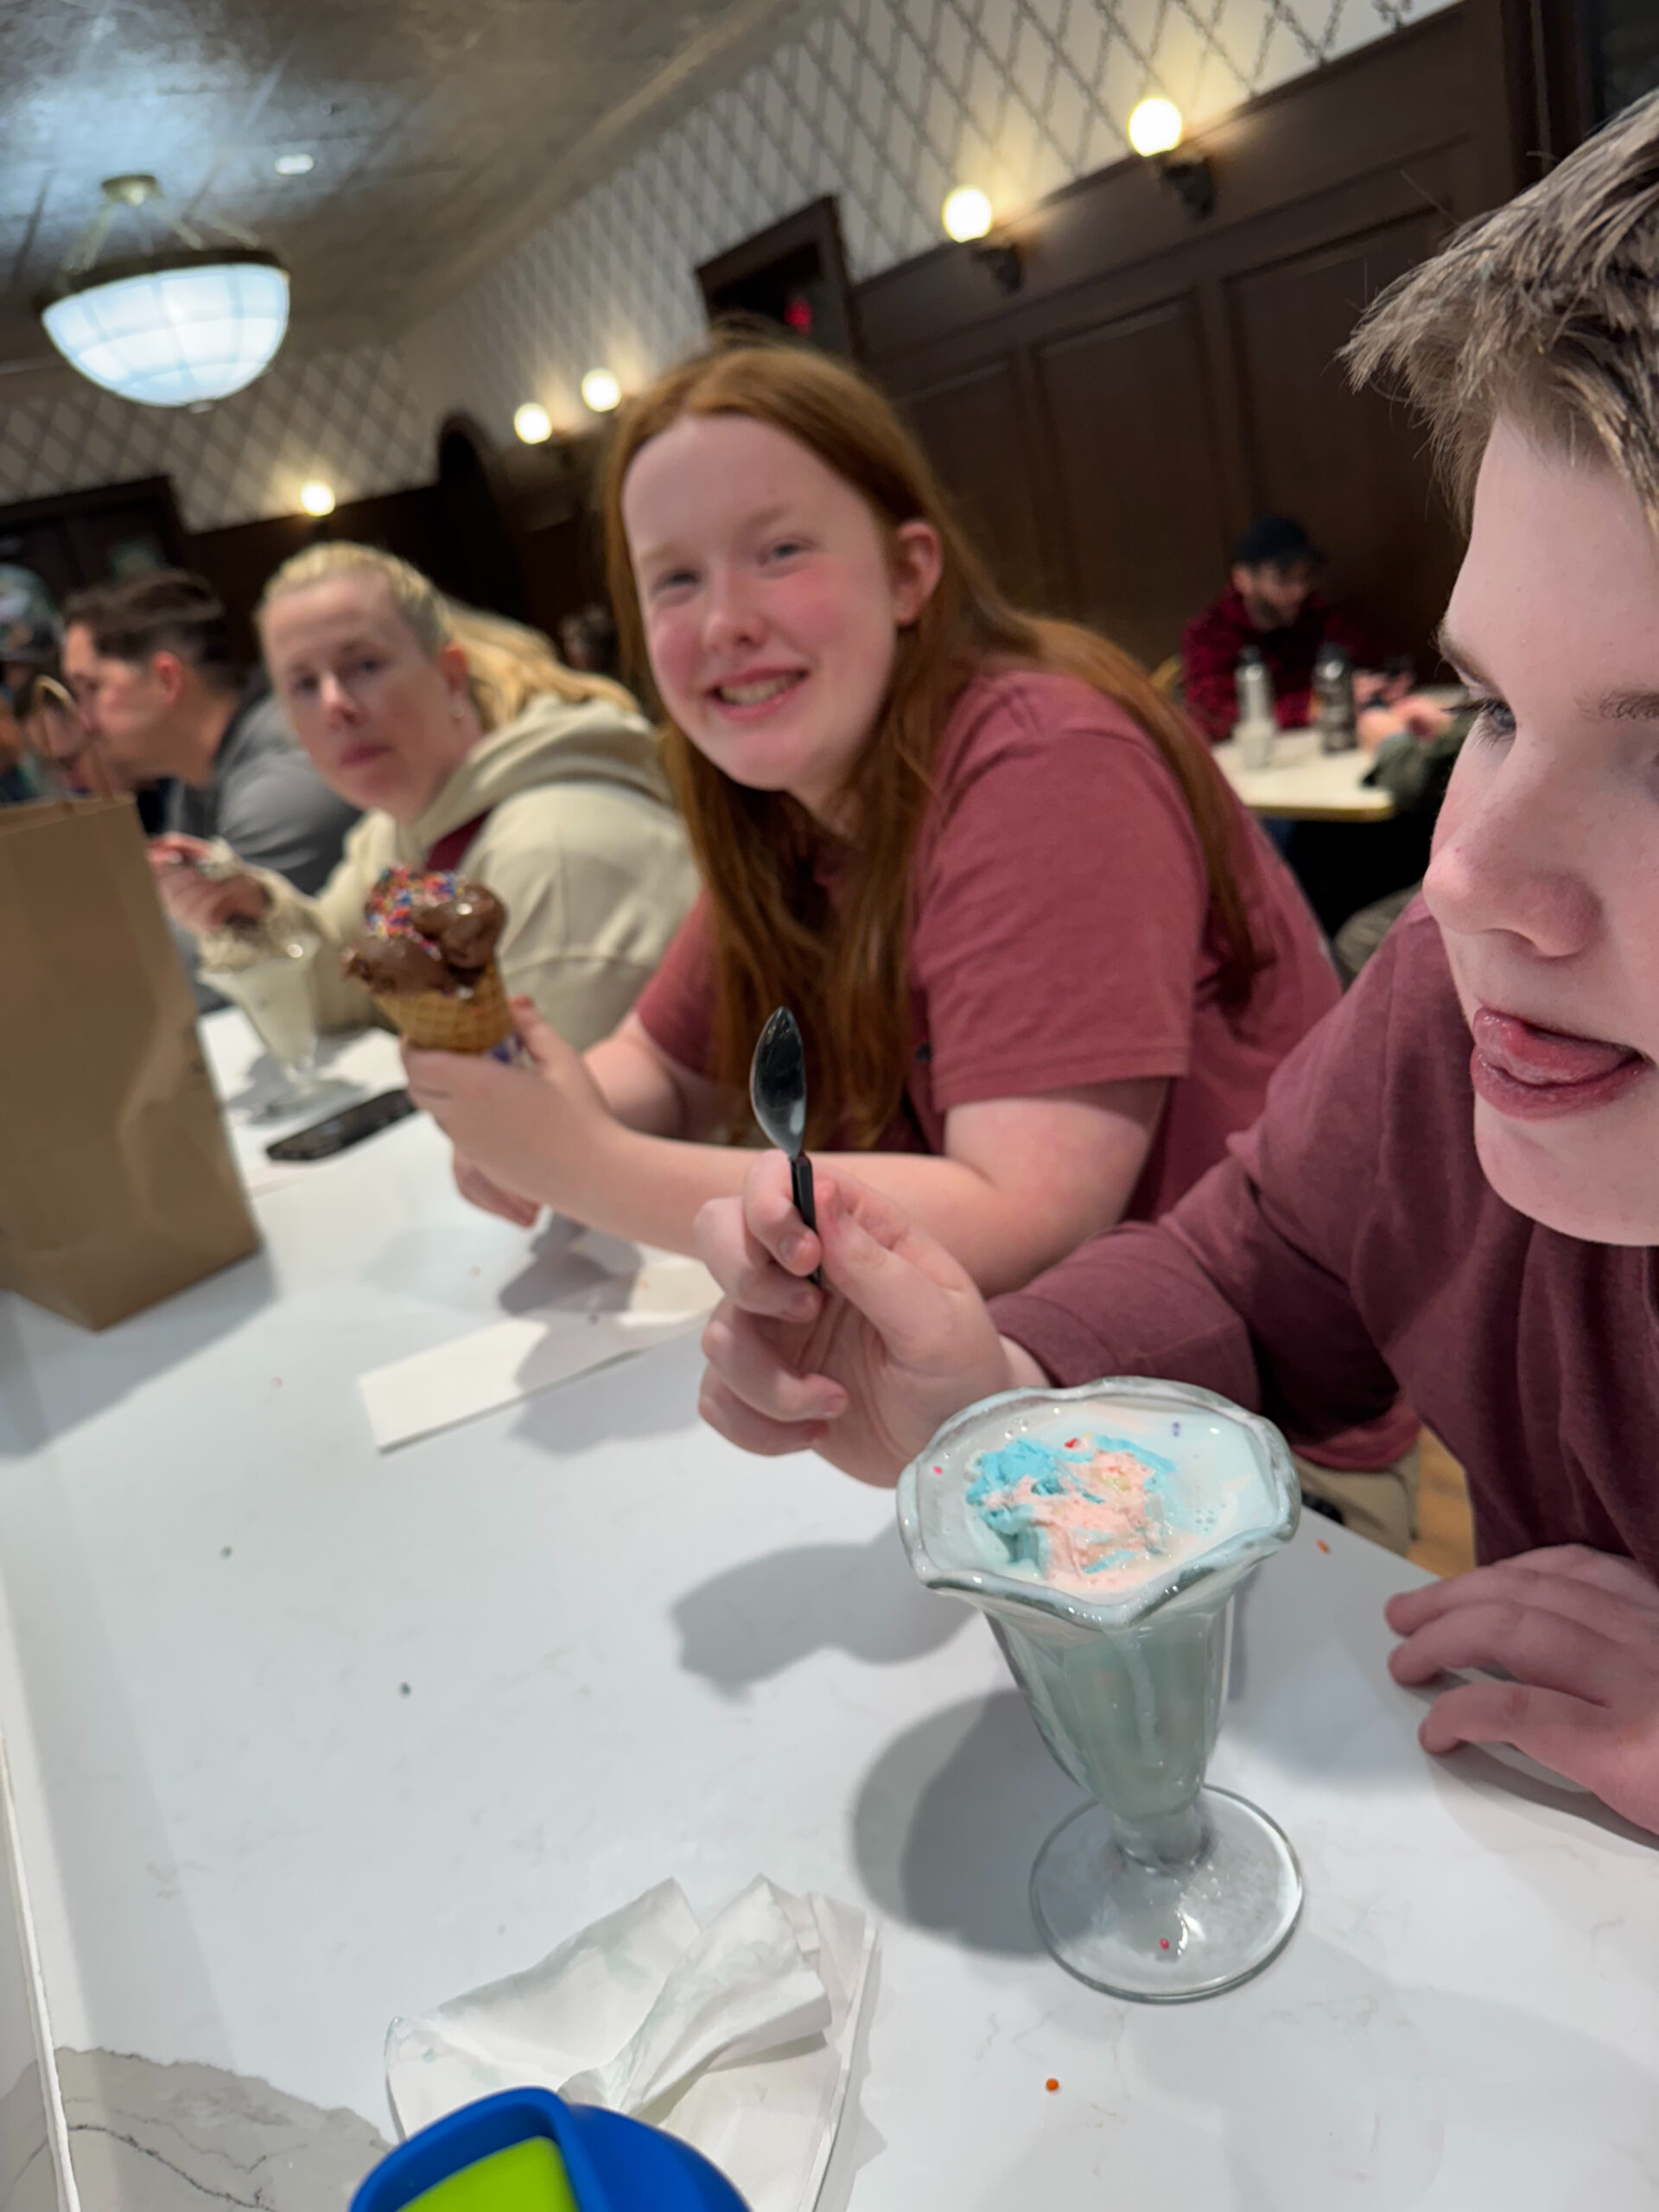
{"points": [[439, 1021]]}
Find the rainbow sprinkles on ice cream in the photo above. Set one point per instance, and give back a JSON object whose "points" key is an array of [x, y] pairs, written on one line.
{"points": [[427, 955]]}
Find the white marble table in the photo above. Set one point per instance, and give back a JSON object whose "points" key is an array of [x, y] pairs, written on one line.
{"points": [[1302, 783], [304, 1737]]}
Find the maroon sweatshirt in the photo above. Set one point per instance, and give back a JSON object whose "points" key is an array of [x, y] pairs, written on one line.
{"points": [[1350, 1246]]}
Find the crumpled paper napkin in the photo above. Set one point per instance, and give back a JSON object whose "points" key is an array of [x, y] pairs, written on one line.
{"points": [[738, 2038]]}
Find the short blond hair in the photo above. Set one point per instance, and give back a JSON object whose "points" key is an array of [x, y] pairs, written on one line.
{"points": [[508, 664], [1547, 311]]}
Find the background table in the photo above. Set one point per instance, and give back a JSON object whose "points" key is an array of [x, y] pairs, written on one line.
{"points": [[305, 1737], [1304, 784]]}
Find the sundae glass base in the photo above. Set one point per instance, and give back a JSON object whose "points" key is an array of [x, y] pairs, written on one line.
{"points": [[1115, 1914]]}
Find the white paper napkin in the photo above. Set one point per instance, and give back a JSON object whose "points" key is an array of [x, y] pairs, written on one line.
{"points": [[738, 2038], [637, 1297]]}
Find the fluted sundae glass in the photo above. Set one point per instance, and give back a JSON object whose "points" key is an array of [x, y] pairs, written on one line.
{"points": [[1105, 1531]]}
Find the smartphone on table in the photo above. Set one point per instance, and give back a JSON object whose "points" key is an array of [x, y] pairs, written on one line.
{"points": [[338, 1132]]}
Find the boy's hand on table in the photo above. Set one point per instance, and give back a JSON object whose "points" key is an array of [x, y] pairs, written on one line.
{"points": [[1579, 1632]]}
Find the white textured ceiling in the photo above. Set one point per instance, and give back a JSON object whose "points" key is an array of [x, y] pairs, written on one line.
{"points": [[441, 130]]}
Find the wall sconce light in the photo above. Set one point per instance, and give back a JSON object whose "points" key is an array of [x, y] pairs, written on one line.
{"points": [[968, 219], [1155, 129], [600, 392], [317, 498], [532, 423]]}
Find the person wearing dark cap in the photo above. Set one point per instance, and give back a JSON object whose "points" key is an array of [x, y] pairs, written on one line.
{"points": [[150, 665], [1271, 603]]}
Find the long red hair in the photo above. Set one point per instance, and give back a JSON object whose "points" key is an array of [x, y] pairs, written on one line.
{"points": [[778, 939]]}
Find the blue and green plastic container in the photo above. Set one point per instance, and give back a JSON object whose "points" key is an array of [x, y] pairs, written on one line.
{"points": [[526, 2151]]}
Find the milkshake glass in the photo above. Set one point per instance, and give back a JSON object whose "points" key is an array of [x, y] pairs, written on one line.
{"points": [[1159, 1889], [274, 990]]}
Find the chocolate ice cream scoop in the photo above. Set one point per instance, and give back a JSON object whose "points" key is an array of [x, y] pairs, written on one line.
{"points": [[394, 967], [464, 927], [428, 956]]}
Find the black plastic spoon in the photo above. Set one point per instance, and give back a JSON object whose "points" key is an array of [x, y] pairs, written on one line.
{"points": [[778, 1094]]}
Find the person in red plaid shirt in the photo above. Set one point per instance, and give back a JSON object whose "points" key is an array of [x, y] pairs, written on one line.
{"points": [[1272, 605]]}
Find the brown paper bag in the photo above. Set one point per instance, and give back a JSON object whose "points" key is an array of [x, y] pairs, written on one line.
{"points": [[117, 1184]]}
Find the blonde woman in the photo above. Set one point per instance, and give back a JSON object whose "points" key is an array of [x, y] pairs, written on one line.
{"points": [[469, 746]]}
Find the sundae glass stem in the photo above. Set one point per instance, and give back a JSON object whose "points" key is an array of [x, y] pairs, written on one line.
{"points": [[1166, 1842]]}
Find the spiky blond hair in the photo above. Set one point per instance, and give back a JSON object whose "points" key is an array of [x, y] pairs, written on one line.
{"points": [[1547, 311]]}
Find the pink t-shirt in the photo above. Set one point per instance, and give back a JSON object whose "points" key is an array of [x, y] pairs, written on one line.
{"points": [[1059, 935]]}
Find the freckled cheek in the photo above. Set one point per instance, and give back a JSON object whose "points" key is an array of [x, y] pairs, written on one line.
{"points": [[818, 617], [672, 647]]}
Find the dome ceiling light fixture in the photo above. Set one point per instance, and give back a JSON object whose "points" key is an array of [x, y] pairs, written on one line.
{"points": [[182, 323]]}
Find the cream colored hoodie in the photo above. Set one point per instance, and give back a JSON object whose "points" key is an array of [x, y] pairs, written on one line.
{"points": [[582, 847]]}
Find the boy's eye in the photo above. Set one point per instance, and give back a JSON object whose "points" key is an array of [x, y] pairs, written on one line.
{"points": [[785, 548], [672, 580], [1492, 718]]}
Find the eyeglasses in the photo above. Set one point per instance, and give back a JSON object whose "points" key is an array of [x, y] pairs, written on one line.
{"points": [[51, 722]]}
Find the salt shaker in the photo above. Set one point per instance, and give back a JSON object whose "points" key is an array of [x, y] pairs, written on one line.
{"points": [[1255, 728], [1333, 700]]}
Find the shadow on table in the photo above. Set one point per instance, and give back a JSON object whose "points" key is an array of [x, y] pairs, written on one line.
{"points": [[1308, 1686], [1325, 2082], [267, 1084], [651, 1393], [555, 1265], [1471, 1778], [766, 1615], [948, 1821], [55, 1374]]}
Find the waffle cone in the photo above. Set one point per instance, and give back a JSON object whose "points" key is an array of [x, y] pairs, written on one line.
{"points": [[439, 1023]]}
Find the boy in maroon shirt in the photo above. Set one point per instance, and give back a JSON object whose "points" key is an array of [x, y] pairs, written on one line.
{"points": [[1477, 1226]]}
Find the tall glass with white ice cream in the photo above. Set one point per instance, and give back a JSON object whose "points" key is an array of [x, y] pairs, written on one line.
{"points": [[268, 975], [1104, 1531]]}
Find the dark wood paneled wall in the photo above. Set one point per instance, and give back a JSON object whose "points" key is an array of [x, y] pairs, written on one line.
{"points": [[239, 560], [1111, 427], [77, 539]]}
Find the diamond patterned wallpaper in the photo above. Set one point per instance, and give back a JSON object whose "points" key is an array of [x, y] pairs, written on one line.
{"points": [[349, 418], [888, 103]]}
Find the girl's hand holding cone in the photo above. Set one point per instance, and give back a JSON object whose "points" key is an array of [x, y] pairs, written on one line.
{"points": [[524, 1135]]}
